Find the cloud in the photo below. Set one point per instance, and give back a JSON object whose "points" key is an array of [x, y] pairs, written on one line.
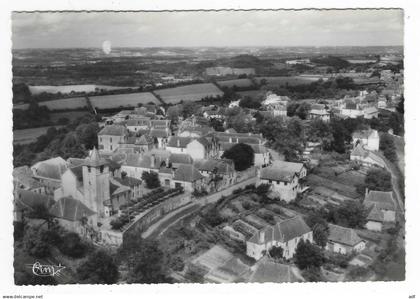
{"points": [[226, 28]]}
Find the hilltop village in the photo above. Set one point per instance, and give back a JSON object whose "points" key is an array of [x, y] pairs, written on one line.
{"points": [[233, 188]]}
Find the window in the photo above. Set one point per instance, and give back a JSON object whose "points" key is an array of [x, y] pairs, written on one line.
{"points": [[110, 147], [101, 169], [89, 169], [110, 139], [100, 139]]}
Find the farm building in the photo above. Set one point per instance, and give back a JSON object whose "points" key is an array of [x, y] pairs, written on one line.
{"points": [[343, 240], [382, 209]]}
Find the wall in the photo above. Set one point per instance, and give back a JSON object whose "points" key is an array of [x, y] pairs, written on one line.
{"points": [[374, 226]]}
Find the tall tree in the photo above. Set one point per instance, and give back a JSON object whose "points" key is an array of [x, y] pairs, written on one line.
{"points": [[241, 154]]}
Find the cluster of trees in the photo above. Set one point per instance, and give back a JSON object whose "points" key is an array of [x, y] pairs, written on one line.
{"points": [[240, 121], [376, 179], [387, 146], [151, 178], [34, 116], [73, 140], [241, 154]]}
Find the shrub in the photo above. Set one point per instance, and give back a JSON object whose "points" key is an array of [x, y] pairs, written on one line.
{"points": [[35, 243], [339, 259], [99, 267], [177, 264], [246, 205], [276, 252], [72, 245], [313, 274], [119, 222], [358, 273], [308, 255]]}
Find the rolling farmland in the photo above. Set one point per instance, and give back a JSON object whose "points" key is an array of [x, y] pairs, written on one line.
{"points": [[191, 93], [123, 100], [66, 89]]}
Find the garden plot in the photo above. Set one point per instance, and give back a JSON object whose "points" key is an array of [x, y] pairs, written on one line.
{"points": [[345, 190], [213, 258], [67, 89], [188, 93]]}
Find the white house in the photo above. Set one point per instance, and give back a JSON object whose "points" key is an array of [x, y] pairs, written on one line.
{"points": [[110, 137], [343, 240], [369, 139], [285, 234], [370, 112], [177, 144], [283, 180], [366, 158], [318, 111]]}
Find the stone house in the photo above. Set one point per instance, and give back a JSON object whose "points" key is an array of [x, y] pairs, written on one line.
{"points": [[110, 138], [382, 209], [369, 139], [343, 240], [285, 234]]}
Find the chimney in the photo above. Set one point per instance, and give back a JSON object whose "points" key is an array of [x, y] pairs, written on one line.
{"points": [[152, 161], [167, 162], [261, 235], [366, 192], [178, 144]]}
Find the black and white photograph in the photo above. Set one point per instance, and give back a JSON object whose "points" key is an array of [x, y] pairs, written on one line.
{"points": [[208, 147]]}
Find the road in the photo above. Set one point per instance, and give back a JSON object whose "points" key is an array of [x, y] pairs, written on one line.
{"points": [[158, 228]]}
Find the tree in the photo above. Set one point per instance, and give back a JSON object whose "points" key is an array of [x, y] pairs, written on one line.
{"points": [[248, 102], [319, 227], [147, 264], [308, 255], [387, 146], [320, 131], [378, 179], [88, 134], [72, 245], [35, 243], [99, 268], [151, 178], [276, 252], [241, 154], [40, 211], [349, 214]]}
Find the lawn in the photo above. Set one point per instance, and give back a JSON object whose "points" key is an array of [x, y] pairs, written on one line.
{"points": [[26, 136], [62, 104], [123, 100], [190, 93]]}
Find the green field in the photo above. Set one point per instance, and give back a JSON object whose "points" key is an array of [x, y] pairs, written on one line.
{"points": [[123, 100], [26, 136], [188, 93]]}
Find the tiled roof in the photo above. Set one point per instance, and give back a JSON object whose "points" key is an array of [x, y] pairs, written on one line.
{"points": [[145, 140], [289, 166], [94, 159], [187, 173], [138, 122], [78, 172], [269, 271], [23, 175], [277, 173], [375, 214], [70, 209], [25, 199], [176, 141], [180, 159], [317, 107], [343, 235], [223, 166], [365, 134], [382, 200], [52, 168], [283, 231], [159, 133], [113, 130]]}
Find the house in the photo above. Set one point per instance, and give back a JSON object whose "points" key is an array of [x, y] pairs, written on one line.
{"points": [[137, 163], [188, 177], [195, 131], [261, 155], [285, 234], [276, 104], [370, 112], [201, 148], [161, 135], [343, 240], [220, 173], [23, 179], [366, 158], [382, 209], [369, 139], [49, 172], [351, 109], [269, 271], [283, 181], [132, 183], [110, 137], [138, 144], [140, 123], [233, 104], [178, 145], [318, 111]]}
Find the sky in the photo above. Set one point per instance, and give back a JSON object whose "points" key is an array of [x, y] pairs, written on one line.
{"points": [[208, 29]]}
